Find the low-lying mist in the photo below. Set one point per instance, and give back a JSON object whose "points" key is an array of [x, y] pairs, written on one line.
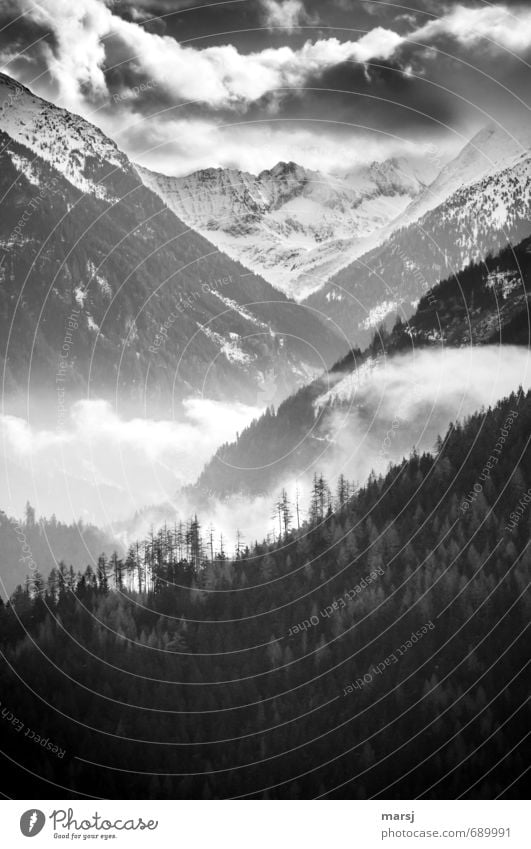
{"points": [[398, 405], [409, 400], [106, 470], [391, 408], [101, 467]]}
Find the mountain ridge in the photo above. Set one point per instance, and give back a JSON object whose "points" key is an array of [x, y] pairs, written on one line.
{"points": [[476, 221], [319, 237], [290, 224], [88, 235]]}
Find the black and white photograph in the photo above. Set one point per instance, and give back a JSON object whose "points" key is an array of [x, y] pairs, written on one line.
{"points": [[265, 489]]}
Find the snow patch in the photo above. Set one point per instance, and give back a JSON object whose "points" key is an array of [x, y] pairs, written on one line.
{"points": [[378, 313], [503, 281], [24, 166], [242, 311], [99, 278], [230, 347], [80, 296], [349, 385]]}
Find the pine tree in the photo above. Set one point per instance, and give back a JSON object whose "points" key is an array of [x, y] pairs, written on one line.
{"points": [[195, 542], [343, 491], [282, 511], [117, 569], [30, 516], [102, 573]]}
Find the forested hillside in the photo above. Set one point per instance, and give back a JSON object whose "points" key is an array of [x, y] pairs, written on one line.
{"points": [[46, 543], [486, 304], [379, 649]]}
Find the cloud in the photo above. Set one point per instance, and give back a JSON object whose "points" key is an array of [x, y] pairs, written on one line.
{"points": [[102, 63], [286, 14], [405, 403], [75, 61], [411, 399], [222, 77], [103, 467], [503, 28], [88, 36], [92, 43], [181, 147]]}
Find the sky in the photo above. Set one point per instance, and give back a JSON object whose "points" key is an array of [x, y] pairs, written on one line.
{"points": [[183, 85]]}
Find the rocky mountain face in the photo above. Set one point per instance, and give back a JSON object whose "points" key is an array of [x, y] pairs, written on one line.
{"points": [[101, 285], [293, 226], [485, 304]]}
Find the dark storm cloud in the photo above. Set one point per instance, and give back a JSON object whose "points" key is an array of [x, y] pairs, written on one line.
{"points": [[380, 96], [244, 22], [24, 44], [239, 22], [476, 81], [415, 80], [18, 33]]}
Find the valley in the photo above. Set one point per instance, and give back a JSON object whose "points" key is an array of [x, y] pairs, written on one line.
{"points": [[97, 241], [265, 419]]}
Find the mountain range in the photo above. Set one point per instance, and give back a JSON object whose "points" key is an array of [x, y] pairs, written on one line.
{"points": [[102, 286], [293, 226], [149, 284], [360, 246], [476, 220]]}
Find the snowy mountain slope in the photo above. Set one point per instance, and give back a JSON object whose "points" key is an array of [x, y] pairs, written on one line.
{"points": [[75, 148], [293, 226], [474, 221], [159, 313], [299, 228], [491, 150]]}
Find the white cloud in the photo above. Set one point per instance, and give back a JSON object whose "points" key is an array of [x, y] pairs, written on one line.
{"points": [[102, 466], [287, 14], [406, 403], [411, 399], [183, 146], [503, 27], [89, 38], [88, 34], [218, 76], [76, 62]]}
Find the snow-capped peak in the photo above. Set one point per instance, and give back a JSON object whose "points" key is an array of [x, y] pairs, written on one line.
{"points": [[293, 226]]}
